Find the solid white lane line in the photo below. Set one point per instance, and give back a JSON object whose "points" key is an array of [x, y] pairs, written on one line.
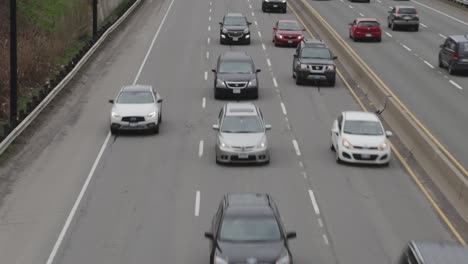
{"points": [[456, 84], [77, 203], [442, 36], [274, 82], [208, 40], [200, 149], [250, 6], [269, 62], [256, 22], [204, 102], [388, 34], [406, 47], [209, 28], [442, 13], [320, 222], [207, 55], [314, 202], [325, 239], [283, 107], [350, 6], [197, 203], [301, 164], [263, 46], [259, 34], [206, 75], [423, 25], [296, 147], [361, 14], [428, 64]]}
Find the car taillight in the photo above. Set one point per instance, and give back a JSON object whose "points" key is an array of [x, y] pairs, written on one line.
{"points": [[455, 56]]}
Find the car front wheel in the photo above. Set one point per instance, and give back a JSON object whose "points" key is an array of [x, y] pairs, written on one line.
{"points": [[337, 157]]}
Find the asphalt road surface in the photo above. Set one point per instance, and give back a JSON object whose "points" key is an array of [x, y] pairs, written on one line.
{"points": [[141, 204]]}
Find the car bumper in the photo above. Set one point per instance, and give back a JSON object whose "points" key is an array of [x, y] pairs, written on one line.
{"points": [[149, 123], [368, 35], [232, 156], [406, 23], [365, 156], [287, 41], [307, 75], [460, 66], [242, 92], [274, 5], [225, 37]]}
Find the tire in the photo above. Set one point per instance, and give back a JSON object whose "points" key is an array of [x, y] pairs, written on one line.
{"points": [[386, 164], [156, 129], [255, 95], [293, 74], [388, 24], [285, 10], [441, 65], [216, 94], [393, 27], [114, 131], [247, 42], [379, 39], [332, 148], [298, 80], [337, 157], [416, 28], [450, 69], [160, 118], [331, 82]]}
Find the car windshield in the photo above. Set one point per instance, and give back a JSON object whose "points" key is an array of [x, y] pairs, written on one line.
{"points": [[135, 97], [359, 127], [316, 53], [250, 229], [241, 124], [288, 26], [407, 11], [235, 21], [368, 24], [235, 67]]}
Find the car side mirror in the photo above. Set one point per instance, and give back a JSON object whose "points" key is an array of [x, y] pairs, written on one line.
{"points": [[258, 70], [335, 57], [216, 127], [390, 11], [209, 235], [303, 29], [268, 127], [350, 24], [291, 235], [111, 101], [295, 55], [388, 133], [335, 131], [160, 100], [274, 28], [220, 23], [213, 70], [249, 23], [441, 46]]}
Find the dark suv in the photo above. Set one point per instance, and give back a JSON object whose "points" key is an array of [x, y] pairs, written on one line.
{"points": [[234, 29], [268, 5], [434, 253], [313, 60], [247, 228], [403, 17], [235, 75], [454, 54]]}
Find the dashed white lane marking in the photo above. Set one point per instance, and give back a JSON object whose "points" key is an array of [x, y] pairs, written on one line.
{"points": [[274, 82], [296, 147], [204, 102], [259, 34], [250, 6], [320, 222], [200, 149], [256, 22], [361, 14], [263, 46], [445, 76], [456, 84], [350, 6], [197, 203], [283, 107], [209, 18], [379, 1], [269, 62], [388, 34], [442, 13], [211, 3], [314, 202], [301, 164], [209, 28], [442, 36], [207, 55], [206, 75], [210, 10], [208, 40], [428, 64], [253, 14], [406, 47], [325, 239], [304, 174], [423, 25]]}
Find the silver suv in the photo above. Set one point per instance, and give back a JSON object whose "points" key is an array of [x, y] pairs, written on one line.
{"points": [[241, 136]]}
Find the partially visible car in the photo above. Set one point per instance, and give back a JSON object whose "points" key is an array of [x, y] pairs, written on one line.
{"points": [[287, 32], [234, 29], [425, 252], [362, 1], [241, 134], [453, 54], [247, 228], [314, 61], [403, 17], [235, 76], [359, 137], [365, 28], [269, 5], [136, 107]]}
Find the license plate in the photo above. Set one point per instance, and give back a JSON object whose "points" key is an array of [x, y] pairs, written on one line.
{"points": [[289, 41], [368, 35], [315, 77], [275, 5], [407, 17], [133, 124], [236, 91], [235, 38], [365, 156], [243, 156], [464, 60]]}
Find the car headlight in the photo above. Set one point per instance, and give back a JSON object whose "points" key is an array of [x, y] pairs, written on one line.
{"points": [[152, 114], [253, 83], [284, 1], [284, 260], [115, 114], [219, 260], [346, 144], [279, 36], [246, 30], [263, 144], [299, 37], [330, 68], [303, 66], [383, 146], [267, 0], [223, 145], [220, 83], [225, 30]]}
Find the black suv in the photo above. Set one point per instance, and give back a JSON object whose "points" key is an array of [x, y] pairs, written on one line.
{"points": [[434, 253], [235, 75], [403, 17], [247, 228], [234, 29], [313, 60], [268, 5], [454, 54]]}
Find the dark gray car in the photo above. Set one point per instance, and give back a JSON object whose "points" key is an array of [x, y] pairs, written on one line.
{"points": [[234, 29], [403, 17], [235, 76], [454, 54]]}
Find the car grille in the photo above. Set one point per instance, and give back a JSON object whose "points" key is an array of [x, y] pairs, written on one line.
{"points": [[316, 68], [250, 157], [290, 37], [243, 148], [235, 34], [133, 119], [359, 157], [236, 85], [359, 147]]}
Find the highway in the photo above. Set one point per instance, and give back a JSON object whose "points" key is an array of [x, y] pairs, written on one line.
{"points": [[151, 197], [407, 62]]}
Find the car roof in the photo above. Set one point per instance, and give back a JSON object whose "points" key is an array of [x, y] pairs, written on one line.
{"points": [[234, 15], [360, 115], [288, 21], [137, 88], [366, 19], [241, 109], [235, 55], [440, 252], [314, 43], [248, 204], [459, 38], [404, 6]]}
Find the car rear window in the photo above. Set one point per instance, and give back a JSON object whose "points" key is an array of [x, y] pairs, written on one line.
{"points": [[250, 229], [407, 11], [368, 24]]}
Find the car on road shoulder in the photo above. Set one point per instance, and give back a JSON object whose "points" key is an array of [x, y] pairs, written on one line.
{"points": [[403, 17], [234, 29], [269, 5], [241, 134], [453, 54], [365, 28], [314, 61], [247, 228], [235, 76], [287, 32], [136, 107], [359, 137]]}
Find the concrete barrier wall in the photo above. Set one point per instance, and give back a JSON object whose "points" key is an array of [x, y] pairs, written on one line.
{"points": [[106, 7], [451, 181]]}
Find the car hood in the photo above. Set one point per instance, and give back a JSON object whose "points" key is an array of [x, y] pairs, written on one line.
{"points": [[289, 32], [236, 77], [365, 141], [263, 252], [134, 109], [235, 28], [241, 139], [317, 61]]}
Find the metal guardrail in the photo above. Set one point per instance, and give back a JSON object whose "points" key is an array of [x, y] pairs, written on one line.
{"points": [[462, 2]]}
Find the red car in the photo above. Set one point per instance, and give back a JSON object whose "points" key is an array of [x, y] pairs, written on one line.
{"points": [[365, 28], [287, 32]]}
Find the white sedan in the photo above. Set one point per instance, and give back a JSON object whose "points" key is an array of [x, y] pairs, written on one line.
{"points": [[359, 137]]}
